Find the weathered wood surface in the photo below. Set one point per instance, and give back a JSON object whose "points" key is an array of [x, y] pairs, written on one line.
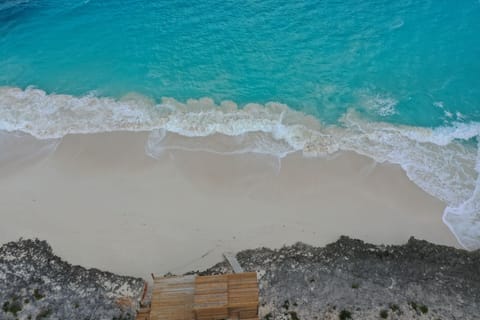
{"points": [[243, 295], [233, 296], [211, 297], [172, 298]]}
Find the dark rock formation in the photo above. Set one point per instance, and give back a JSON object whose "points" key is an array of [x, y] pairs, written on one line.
{"points": [[36, 284], [352, 279]]}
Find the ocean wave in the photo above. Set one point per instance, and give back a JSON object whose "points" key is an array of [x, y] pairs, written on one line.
{"points": [[5, 5], [383, 106], [442, 161]]}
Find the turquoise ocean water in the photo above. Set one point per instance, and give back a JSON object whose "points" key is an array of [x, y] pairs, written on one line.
{"points": [[398, 81]]}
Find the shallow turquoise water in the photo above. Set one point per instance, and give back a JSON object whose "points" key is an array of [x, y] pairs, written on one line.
{"points": [[396, 81], [412, 62]]}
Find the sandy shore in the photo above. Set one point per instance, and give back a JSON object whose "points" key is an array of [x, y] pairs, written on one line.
{"points": [[101, 202]]}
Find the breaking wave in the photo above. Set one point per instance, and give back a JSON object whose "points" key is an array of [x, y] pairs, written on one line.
{"points": [[444, 161]]}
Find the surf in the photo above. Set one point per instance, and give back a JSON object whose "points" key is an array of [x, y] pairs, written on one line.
{"points": [[443, 161]]}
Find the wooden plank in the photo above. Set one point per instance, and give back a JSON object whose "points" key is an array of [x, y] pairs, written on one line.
{"points": [[205, 298], [243, 292], [211, 297], [243, 295], [232, 260], [211, 278], [172, 298]]}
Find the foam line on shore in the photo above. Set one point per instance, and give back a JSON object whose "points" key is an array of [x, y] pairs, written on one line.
{"points": [[442, 161]]}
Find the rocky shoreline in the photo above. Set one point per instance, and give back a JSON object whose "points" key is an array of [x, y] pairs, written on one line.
{"points": [[348, 279], [37, 284]]}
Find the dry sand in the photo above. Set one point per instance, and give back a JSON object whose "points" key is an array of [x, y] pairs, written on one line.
{"points": [[101, 202]]}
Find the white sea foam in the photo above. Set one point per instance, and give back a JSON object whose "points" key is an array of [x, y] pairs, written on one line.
{"points": [[437, 160], [384, 106]]}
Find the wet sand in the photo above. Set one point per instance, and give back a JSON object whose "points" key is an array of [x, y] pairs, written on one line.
{"points": [[101, 202]]}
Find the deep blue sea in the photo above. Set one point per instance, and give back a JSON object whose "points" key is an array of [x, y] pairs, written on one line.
{"points": [[397, 81]]}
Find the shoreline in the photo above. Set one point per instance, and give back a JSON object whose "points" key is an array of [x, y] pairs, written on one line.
{"points": [[442, 160], [414, 280], [101, 202]]}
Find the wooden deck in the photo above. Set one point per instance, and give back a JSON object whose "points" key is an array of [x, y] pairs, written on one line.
{"points": [[232, 296], [211, 297], [243, 295], [172, 298]]}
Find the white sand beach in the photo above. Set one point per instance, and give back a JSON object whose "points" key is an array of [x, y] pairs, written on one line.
{"points": [[101, 202]]}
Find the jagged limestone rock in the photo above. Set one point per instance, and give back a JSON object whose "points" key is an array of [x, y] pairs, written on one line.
{"points": [[418, 280], [36, 284]]}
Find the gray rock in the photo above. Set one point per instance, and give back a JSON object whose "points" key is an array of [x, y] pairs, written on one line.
{"points": [[36, 284], [418, 280]]}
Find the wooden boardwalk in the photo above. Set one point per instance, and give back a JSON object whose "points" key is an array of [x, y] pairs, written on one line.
{"points": [[172, 298], [232, 296], [211, 297], [243, 295]]}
